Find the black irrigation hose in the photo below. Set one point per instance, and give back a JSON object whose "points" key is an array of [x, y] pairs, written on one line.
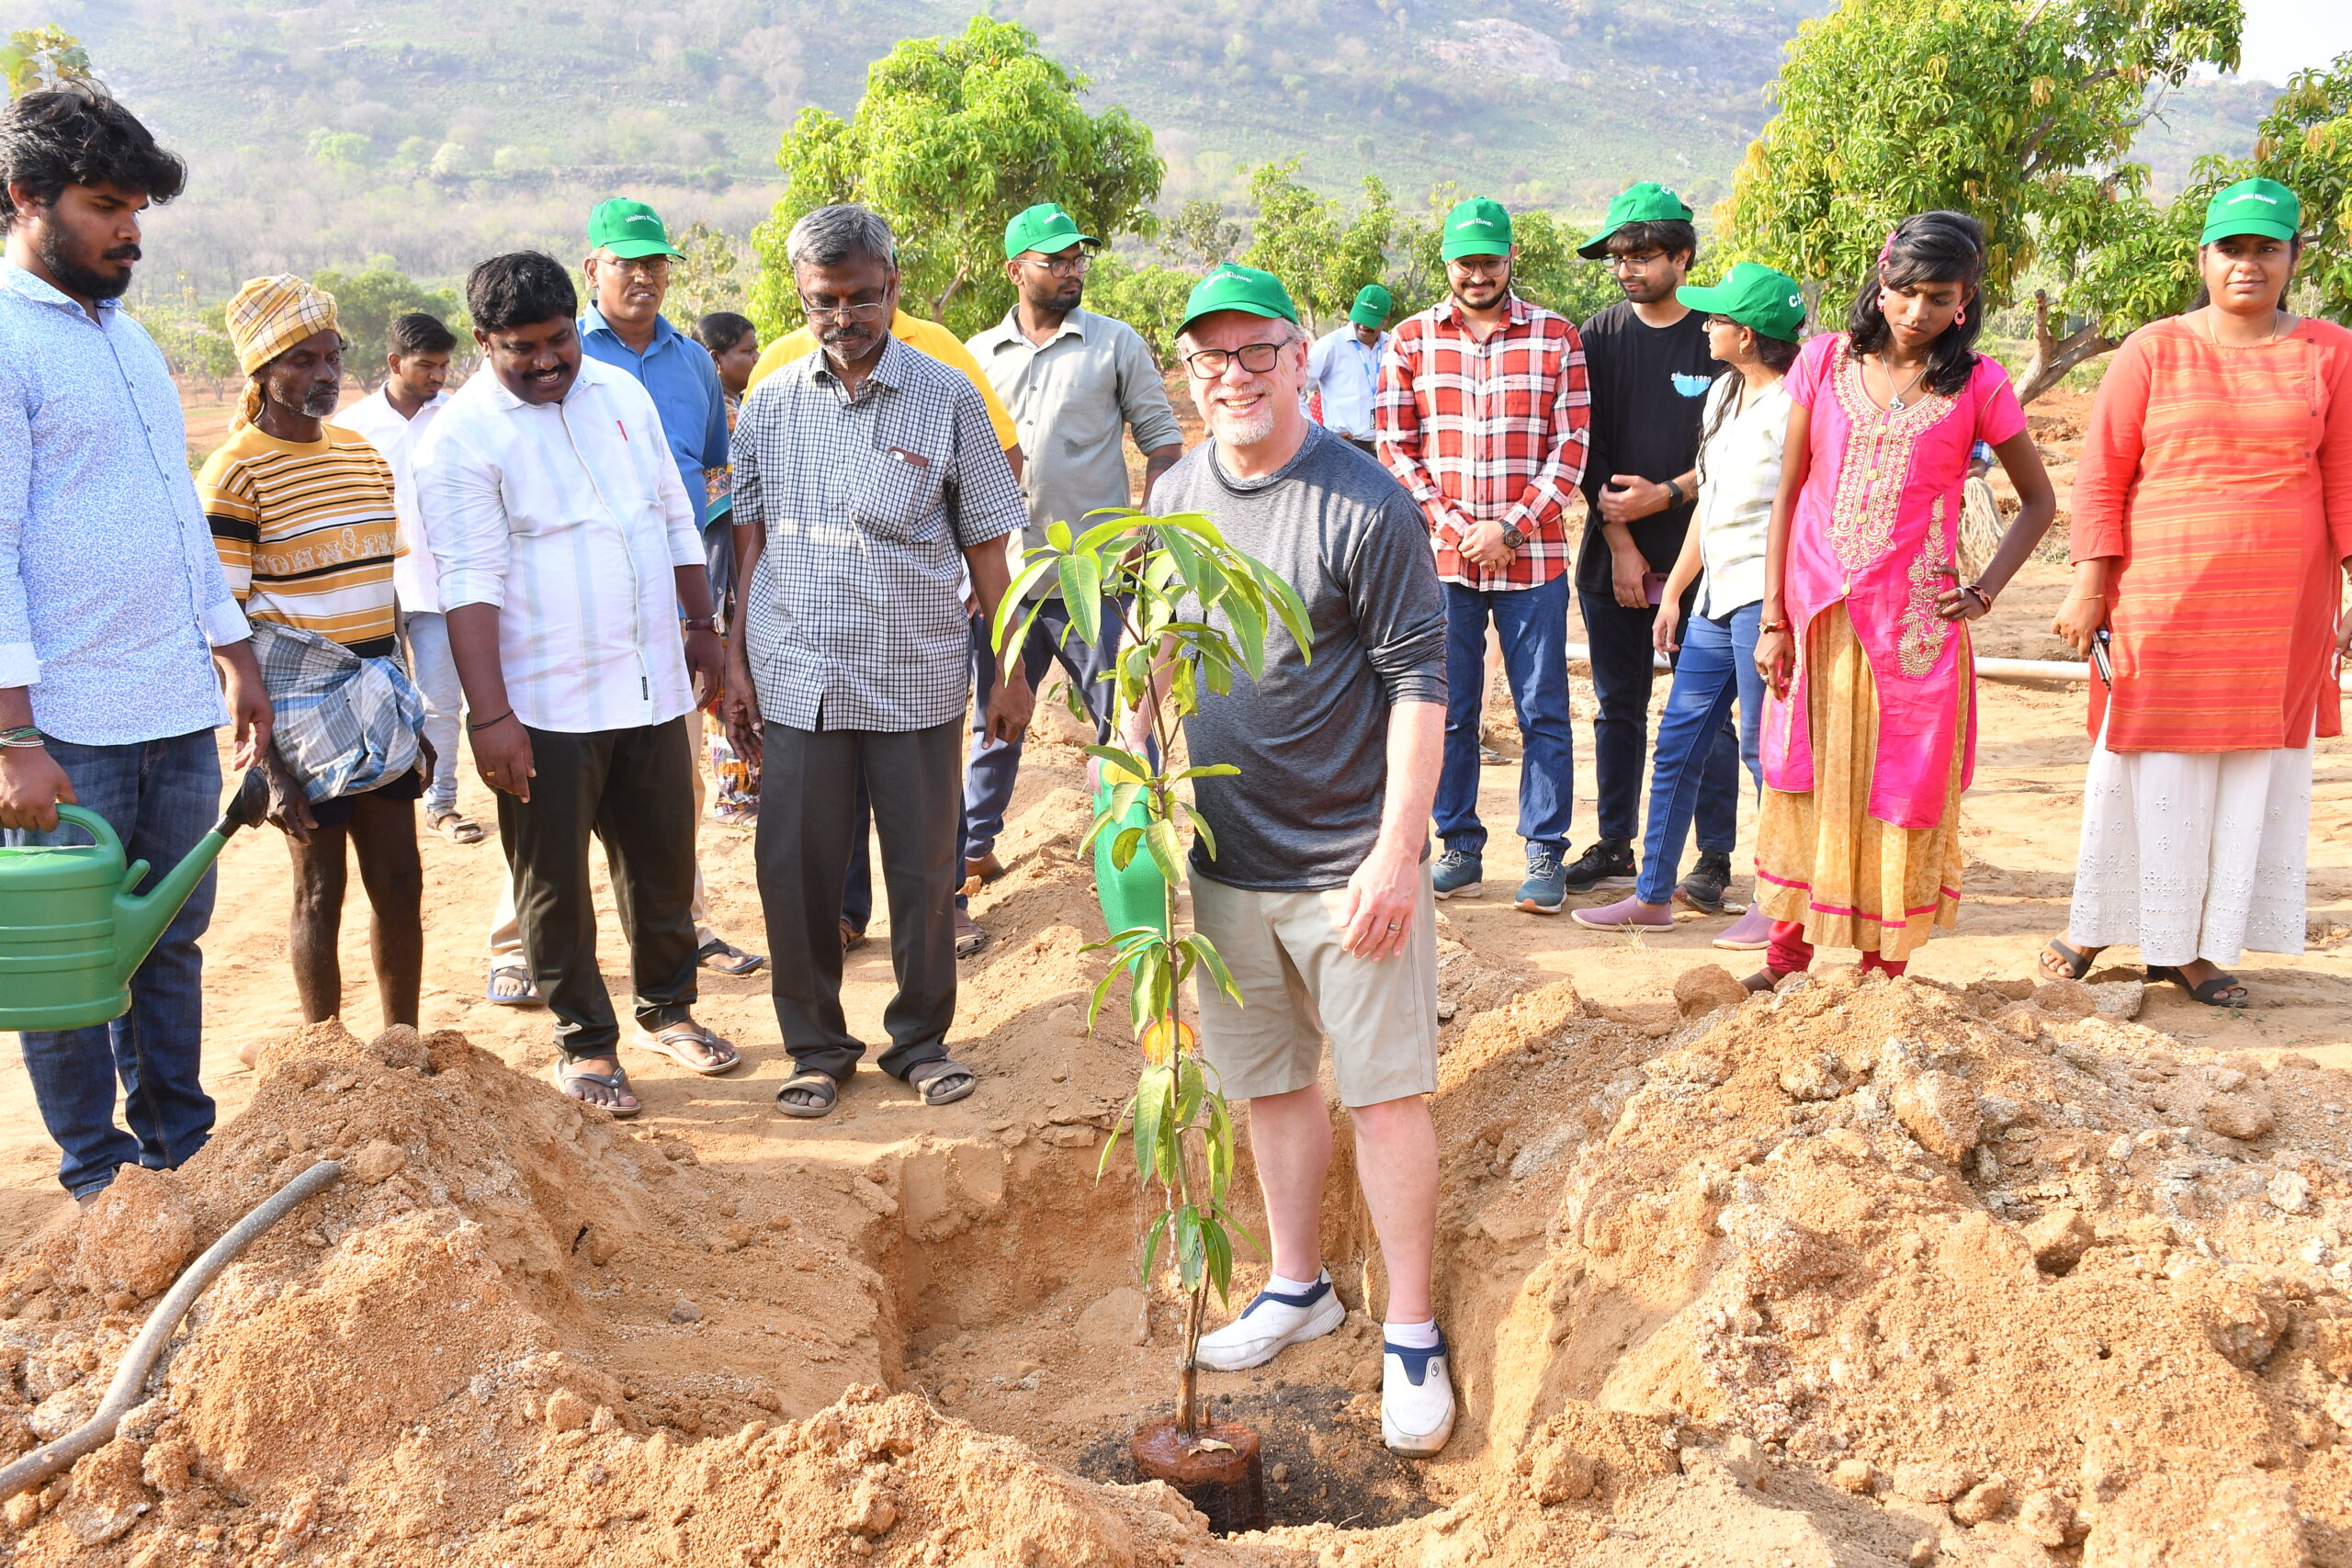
{"points": [[139, 1361]]}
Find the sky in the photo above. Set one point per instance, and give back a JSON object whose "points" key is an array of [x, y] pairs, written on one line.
{"points": [[2283, 36]]}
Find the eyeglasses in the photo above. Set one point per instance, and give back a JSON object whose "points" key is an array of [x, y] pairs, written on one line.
{"points": [[1060, 266], [1645, 260], [1211, 363], [865, 315], [651, 267]]}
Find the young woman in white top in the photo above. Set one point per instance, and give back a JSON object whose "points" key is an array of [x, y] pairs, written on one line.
{"points": [[1756, 315]]}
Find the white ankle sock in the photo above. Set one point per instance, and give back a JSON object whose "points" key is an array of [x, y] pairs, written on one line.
{"points": [[1282, 1287], [1411, 1336]]}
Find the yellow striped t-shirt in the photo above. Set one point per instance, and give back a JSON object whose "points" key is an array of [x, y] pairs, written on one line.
{"points": [[307, 532]]}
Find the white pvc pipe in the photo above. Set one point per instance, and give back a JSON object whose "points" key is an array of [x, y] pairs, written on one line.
{"points": [[1992, 669]]}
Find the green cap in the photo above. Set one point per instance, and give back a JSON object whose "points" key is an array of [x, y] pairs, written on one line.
{"points": [[1648, 202], [1232, 286], [628, 229], [1478, 227], [1371, 307], [1754, 295], [2251, 207], [1044, 229]]}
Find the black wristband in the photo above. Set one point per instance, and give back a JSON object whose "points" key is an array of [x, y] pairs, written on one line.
{"points": [[1674, 489], [472, 729]]}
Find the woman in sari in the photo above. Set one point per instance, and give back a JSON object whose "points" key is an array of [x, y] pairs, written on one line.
{"points": [[2212, 526], [1869, 732]]}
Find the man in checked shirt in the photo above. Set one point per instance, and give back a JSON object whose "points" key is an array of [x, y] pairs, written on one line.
{"points": [[1482, 414], [867, 478]]}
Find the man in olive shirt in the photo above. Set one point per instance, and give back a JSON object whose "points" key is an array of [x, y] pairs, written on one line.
{"points": [[1075, 382]]}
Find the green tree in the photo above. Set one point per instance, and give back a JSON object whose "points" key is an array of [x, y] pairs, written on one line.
{"points": [[1548, 272], [705, 278], [952, 138], [1322, 257], [1200, 235], [1148, 298], [37, 59], [2305, 145], [2019, 112], [364, 303]]}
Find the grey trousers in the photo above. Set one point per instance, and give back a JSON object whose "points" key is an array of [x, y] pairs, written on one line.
{"points": [[808, 782]]}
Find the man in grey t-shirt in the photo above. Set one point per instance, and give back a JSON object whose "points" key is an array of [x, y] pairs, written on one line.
{"points": [[1319, 896]]}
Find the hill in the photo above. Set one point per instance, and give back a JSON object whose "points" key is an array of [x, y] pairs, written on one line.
{"points": [[328, 132]]}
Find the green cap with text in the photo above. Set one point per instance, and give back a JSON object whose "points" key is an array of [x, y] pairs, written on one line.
{"points": [[628, 229], [2251, 207], [1478, 227], [1648, 202], [1232, 286], [1754, 295], [1371, 307], [1044, 229]]}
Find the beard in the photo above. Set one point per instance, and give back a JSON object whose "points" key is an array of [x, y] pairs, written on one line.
{"points": [[1242, 430], [75, 278]]}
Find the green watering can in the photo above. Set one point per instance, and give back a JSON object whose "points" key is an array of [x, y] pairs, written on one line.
{"points": [[1138, 895], [71, 930]]}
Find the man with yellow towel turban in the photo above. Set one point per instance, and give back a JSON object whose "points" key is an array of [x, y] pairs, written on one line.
{"points": [[302, 515]]}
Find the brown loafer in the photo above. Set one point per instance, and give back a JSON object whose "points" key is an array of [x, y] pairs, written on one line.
{"points": [[852, 938], [987, 868]]}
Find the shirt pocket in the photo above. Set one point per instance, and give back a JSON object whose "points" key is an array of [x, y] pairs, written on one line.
{"points": [[895, 492]]}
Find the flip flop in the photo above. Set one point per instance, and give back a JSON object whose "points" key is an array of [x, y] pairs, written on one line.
{"points": [[455, 828], [723, 957], [2210, 993], [671, 1043], [810, 1081], [2076, 965], [615, 1082], [940, 1082], [527, 997]]}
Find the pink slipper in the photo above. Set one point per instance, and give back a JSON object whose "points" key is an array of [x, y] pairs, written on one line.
{"points": [[1752, 932], [1626, 915]]}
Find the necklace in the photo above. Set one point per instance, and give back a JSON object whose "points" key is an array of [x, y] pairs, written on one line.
{"points": [[2215, 338], [1895, 404]]}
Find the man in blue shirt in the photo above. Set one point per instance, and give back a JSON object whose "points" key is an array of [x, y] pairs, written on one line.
{"points": [[1343, 367], [113, 609], [627, 268]]}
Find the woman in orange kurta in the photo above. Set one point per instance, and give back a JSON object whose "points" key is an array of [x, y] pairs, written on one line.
{"points": [[2213, 520]]}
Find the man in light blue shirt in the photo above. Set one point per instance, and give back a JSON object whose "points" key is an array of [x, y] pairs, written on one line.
{"points": [[113, 608], [1344, 368]]}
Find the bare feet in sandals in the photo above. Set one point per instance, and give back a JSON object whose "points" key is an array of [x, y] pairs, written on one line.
{"points": [[693, 1046], [941, 1082], [2059, 962], [510, 986], [809, 1094], [457, 827], [597, 1080]]}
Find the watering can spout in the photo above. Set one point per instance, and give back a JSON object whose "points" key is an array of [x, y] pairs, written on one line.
{"points": [[140, 919]]}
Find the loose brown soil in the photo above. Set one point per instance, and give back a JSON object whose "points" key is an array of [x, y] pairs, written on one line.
{"points": [[1957, 1269]]}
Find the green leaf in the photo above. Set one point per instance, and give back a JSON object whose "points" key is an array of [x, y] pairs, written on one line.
{"points": [[1200, 826], [1119, 521], [1162, 837], [1057, 536], [1119, 756], [1192, 1258], [1219, 1249], [1248, 634], [1082, 595], [1191, 1088], [1101, 989], [1218, 1152], [1151, 1104], [1123, 848], [1208, 771], [1151, 1241], [1203, 949]]}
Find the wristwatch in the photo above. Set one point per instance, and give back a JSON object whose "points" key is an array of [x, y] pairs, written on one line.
{"points": [[1674, 492], [700, 624], [1513, 537]]}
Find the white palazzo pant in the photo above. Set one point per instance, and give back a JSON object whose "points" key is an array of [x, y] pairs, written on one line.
{"points": [[2193, 854]]}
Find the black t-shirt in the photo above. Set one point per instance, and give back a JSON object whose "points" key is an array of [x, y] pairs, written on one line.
{"points": [[1649, 387]]}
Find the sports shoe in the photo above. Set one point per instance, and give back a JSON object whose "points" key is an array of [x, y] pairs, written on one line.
{"points": [[1544, 890], [1456, 870], [1416, 1399], [1703, 889], [1752, 932], [1626, 915], [1271, 1324], [1609, 863]]}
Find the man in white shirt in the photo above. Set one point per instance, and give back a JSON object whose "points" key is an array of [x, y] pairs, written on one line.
{"points": [[1344, 368], [568, 545], [394, 418]]}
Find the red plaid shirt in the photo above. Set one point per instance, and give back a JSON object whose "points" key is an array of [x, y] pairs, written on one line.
{"points": [[1495, 430]]}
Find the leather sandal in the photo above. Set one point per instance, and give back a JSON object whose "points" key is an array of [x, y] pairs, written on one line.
{"points": [[2075, 964], [677, 1042], [941, 1082], [2213, 993], [826, 1094]]}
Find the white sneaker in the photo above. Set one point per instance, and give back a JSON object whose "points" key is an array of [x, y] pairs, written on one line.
{"points": [[1416, 1400], [1271, 1324]]}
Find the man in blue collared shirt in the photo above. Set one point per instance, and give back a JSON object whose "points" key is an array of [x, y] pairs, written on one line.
{"points": [[113, 608], [1344, 368]]}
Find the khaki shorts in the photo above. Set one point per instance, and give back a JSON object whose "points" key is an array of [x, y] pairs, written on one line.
{"points": [[1284, 952]]}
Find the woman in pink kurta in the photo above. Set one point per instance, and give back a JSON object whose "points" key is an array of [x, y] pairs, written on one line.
{"points": [[1867, 732]]}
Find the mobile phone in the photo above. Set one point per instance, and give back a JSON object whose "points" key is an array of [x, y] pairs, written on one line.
{"points": [[2098, 657], [1654, 586]]}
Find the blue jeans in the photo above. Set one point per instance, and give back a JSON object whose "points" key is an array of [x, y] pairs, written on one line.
{"points": [[1717, 663], [1533, 625], [436, 672], [1624, 668], [159, 796], [989, 775]]}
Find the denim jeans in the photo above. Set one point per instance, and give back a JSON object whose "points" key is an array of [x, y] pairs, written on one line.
{"points": [[1532, 626], [989, 775], [436, 671], [1717, 663], [161, 797], [1623, 669]]}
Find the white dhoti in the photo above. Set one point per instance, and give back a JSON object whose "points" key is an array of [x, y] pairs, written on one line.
{"points": [[2193, 854]]}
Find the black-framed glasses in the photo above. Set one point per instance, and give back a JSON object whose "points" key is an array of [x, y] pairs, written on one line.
{"points": [[1060, 266], [1644, 259], [865, 315], [1211, 363]]}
